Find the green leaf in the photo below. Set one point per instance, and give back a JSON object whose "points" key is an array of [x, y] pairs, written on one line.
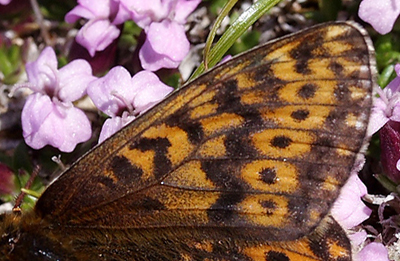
{"points": [[238, 27]]}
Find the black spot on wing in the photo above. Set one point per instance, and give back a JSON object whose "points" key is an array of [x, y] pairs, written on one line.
{"points": [[300, 115], [276, 256], [268, 176], [124, 171], [161, 164], [307, 91], [182, 120], [281, 142]]}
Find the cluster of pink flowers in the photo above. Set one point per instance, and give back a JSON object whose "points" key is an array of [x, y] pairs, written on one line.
{"points": [[163, 22], [350, 211], [385, 115], [49, 116], [118, 91]]}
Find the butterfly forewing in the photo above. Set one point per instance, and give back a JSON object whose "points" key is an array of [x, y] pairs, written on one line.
{"points": [[242, 163]]}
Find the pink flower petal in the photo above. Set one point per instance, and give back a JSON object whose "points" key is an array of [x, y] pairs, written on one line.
{"points": [[150, 90], [348, 209], [184, 8], [97, 34], [393, 86], [146, 12], [87, 9], [36, 109], [74, 79], [112, 125], [123, 14], [162, 51], [396, 113], [117, 81], [59, 125], [378, 117], [4, 2], [380, 14], [358, 238], [42, 73], [373, 251]]}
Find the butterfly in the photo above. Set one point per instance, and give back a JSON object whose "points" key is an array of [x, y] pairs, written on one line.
{"points": [[243, 163]]}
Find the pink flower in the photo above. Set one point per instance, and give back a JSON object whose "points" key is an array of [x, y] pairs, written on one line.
{"points": [[123, 97], [160, 50], [4, 2], [380, 14], [349, 210], [387, 106], [386, 113], [373, 251], [99, 31], [48, 116], [161, 20]]}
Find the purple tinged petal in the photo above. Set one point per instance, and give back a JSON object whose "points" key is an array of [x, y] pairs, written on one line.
{"points": [[150, 90], [87, 9], [160, 50], [146, 12], [77, 12], [59, 125], [380, 14], [112, 125], [36, 109], [393, 86], [378, 117], [97, 34], [42, 73], [5, 2], [390, 150], [123, 14], [158, 36], [74, 79], [102, 91], [225, 59], [358, 238], [184, 8], [373, 251], [387, 106], [396, 113], [349, 210]]}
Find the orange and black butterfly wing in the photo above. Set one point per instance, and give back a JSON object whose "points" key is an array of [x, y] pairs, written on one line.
{"points": [[249, 156]]}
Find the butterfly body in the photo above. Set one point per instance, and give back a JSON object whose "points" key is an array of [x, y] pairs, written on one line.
{"points": [[243, 163]]}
